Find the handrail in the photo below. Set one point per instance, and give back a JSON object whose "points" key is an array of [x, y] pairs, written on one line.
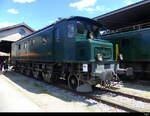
{"points": [[129, 28]]}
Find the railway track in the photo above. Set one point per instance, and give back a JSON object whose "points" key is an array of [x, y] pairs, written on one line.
{"points": [[124, 94], [110, 101], [127, 99]]}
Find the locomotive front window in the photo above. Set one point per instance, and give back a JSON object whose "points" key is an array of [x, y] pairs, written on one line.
{"points": [[71, 30]]}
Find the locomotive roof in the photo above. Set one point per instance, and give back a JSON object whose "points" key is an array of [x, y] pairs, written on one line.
{"points": [[65, 19]]}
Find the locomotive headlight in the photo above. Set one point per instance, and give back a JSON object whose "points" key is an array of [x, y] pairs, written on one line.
{"points": [[99, 57], [121, 57]]}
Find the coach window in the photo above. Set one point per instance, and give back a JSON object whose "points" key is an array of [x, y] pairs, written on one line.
{"points": [[71, 30], [80, 27]]}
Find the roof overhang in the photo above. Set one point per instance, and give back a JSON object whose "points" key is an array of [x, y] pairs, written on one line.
{"points": [[5, 46], [126, 16], [17, 26]]}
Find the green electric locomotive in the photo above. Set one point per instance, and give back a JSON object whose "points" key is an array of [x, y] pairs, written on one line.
{"points": [[70, 50]]}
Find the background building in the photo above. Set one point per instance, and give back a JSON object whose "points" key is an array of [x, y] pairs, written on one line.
{"points": [[11, 34]]}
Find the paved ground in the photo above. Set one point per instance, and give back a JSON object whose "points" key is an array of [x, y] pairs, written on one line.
{"points": [[14, 101], [21, 94]]}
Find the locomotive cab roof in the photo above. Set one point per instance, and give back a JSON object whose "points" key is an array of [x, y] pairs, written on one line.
{"points": [[85, 19]]}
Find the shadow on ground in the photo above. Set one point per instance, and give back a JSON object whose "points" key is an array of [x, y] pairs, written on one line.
{"points": [[137, 86], [39, 87]]}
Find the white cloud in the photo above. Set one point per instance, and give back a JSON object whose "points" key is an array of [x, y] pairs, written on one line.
{"points": [[97, 8], [89, 9], [5, 24], [24, 1], [88, 6], [22, 18], [128, 2], [13, 11], [83, 4]]}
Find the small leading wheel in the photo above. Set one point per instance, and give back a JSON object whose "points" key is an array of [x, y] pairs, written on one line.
{"points": [[28, 72], [21, 71], [73, 82], [47, 77], [36, 74]]}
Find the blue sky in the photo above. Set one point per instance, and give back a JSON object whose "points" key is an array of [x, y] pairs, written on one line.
{"points": [[40, 13]]}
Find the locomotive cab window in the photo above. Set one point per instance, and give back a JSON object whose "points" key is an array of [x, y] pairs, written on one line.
{"points": [[80, 27], [71, 30]]}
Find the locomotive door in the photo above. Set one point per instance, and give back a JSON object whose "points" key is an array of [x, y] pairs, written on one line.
{"points": [[58, 44]]}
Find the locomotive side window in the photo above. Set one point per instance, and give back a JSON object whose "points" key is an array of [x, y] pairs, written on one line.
{"points": [[25, 45], [71, 30], [80, 27], [57, 33], [44, 40], [19, 46], [33, 42]]}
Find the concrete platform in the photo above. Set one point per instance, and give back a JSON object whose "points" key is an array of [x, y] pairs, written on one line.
{"points": [[13, 101]]}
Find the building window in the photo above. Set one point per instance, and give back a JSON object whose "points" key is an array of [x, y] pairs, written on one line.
{"points": [[22, 32]]}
